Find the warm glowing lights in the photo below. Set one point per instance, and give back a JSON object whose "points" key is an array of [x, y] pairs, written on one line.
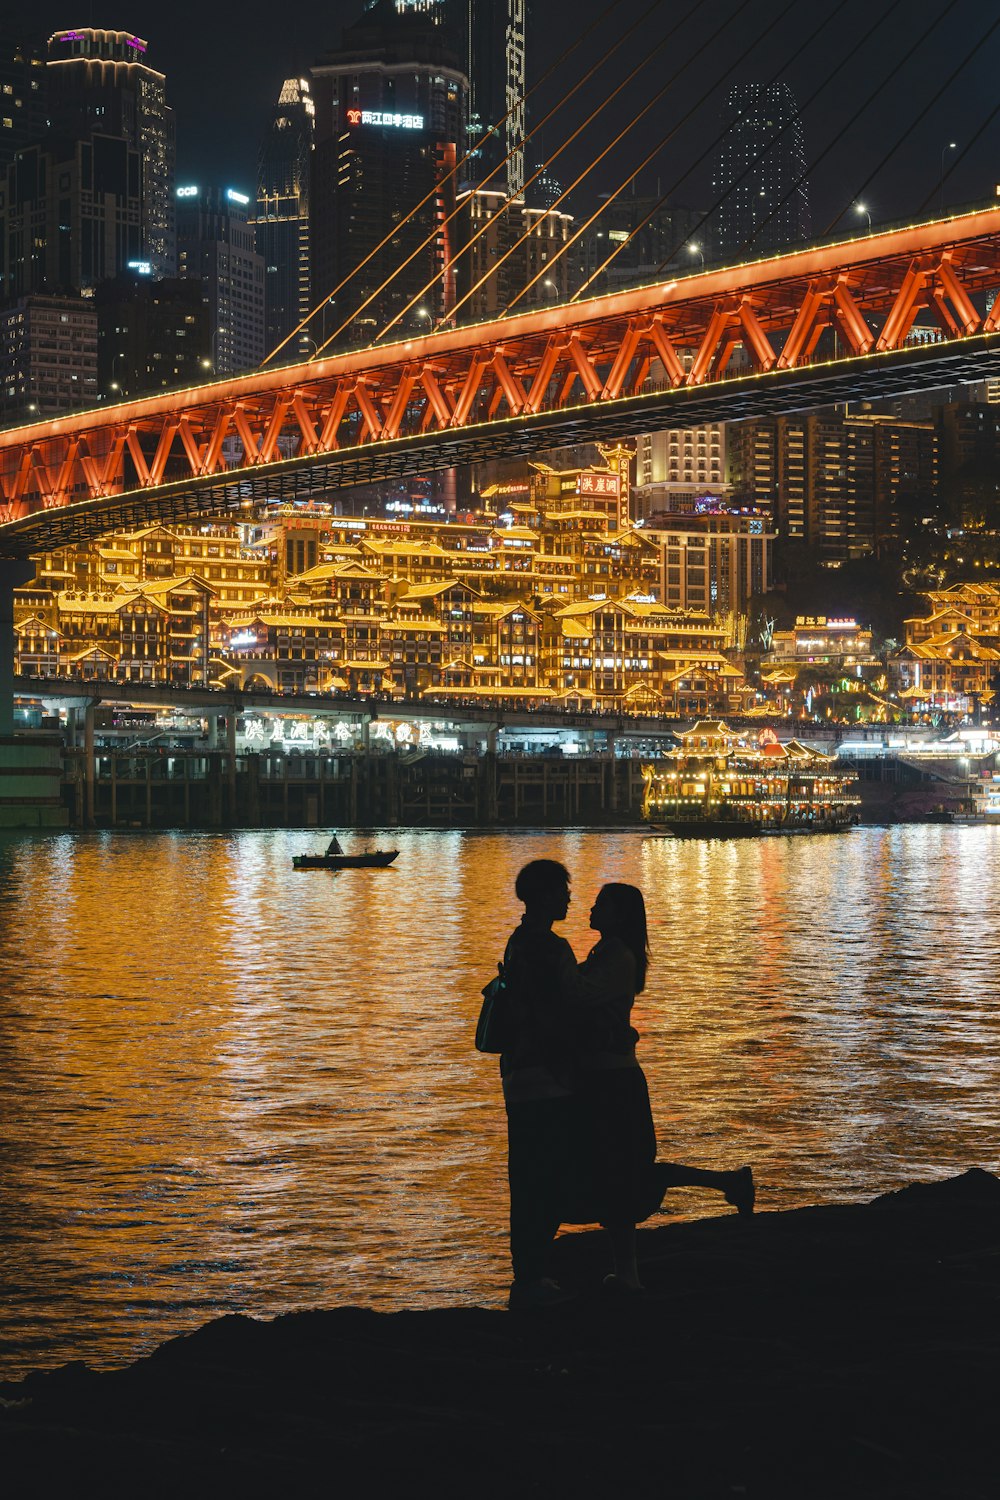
{"points": [[498, 377]]}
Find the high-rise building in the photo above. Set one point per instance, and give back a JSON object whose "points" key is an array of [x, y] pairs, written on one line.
{"points": [[48, 357], [759, 174], [281, 218], [716, 563], [101, 80], [502, 246], [840, 483], [678, 467], [22, 90], [70, 216], [489, 39], [151, 335], [215, 245], [969, 438], [390, 123]]}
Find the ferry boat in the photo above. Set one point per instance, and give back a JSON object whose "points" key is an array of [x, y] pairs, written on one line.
{"points": [[721, 783]]}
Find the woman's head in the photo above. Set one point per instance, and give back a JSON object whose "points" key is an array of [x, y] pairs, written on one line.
{"points": [[543, 886], [619, 911]]}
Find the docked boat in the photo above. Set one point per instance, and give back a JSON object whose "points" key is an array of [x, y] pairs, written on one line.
{"points": [[373, 859], [720, 783]]}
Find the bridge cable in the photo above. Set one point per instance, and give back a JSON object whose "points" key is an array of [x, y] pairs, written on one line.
{"points": [[828, 17], [748, 244], [438, 228], [958, 159], [600, 157], [469, 155], [932, 101], [664, 139], [762, 153], [697, 5]]}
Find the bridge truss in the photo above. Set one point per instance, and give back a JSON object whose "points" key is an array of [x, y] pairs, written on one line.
{"points": [[901, 310]]}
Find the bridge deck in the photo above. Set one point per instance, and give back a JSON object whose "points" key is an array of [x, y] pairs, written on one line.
{"points": [[825, 323]]}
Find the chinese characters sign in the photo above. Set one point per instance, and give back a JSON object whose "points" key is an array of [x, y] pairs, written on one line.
{"points": [[384, 117]]}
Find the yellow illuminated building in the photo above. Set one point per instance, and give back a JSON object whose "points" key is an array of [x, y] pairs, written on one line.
{"points": [[950, 660], [550, 599]]}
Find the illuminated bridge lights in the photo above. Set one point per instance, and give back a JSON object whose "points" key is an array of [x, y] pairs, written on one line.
{"points": [[559, 374]]}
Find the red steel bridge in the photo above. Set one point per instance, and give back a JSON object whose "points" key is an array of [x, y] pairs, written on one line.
{"points": [[897, 311]]}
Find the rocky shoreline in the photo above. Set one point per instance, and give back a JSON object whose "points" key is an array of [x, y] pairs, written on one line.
{"points": [[834, 1353]]}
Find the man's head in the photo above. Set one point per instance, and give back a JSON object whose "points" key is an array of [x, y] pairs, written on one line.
{"points": [[543, 886]]}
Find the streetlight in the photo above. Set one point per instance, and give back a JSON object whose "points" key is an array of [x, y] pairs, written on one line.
{"points": [[862, 208], [951, 146], [697, 250], [550, 285], [114, 384]]}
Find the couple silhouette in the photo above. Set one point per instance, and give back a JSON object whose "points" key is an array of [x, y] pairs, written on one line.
{"points": [[580, 1134]]}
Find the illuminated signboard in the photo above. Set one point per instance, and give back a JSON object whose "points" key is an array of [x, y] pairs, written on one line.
{"points": [[385, 117], [187, 192], [618, 236], [235, 197], [599, 484]]}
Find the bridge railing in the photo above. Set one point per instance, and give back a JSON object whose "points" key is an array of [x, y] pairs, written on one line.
{"points": [[513, 385]]}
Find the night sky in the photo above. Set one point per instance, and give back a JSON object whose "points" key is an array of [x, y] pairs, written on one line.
{"points": [[224, 66]]}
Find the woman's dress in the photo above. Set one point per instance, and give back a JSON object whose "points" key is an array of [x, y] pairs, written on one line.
{"points": [[615, 1181]]}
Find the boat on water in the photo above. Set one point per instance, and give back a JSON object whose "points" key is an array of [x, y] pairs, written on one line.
{"points": [[375, 859], [721, 783], [336, 858]]}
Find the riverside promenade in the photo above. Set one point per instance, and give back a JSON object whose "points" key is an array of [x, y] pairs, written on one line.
{"points": [[819, 1353]]}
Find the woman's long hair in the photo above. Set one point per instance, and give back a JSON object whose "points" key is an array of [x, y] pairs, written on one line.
{"points": [[630, 911]]}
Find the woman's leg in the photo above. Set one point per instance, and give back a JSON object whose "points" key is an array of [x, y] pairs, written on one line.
{"points": [[737, 1187], [626, 1272]]}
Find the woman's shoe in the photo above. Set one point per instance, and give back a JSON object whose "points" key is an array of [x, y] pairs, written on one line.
{"points": [[741, 1192], [619, 1287]]}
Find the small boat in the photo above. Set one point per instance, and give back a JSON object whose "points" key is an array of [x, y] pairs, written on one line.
{"points": [[374, 859]]}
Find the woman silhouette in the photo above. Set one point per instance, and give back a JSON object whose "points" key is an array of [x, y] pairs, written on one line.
{"points": [[620, 1182]]}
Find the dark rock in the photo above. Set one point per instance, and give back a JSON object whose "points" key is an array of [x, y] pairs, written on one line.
{"points": [[822, 1353]]}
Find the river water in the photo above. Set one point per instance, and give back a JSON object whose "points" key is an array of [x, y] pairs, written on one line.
{"points": [[230, 1087]]}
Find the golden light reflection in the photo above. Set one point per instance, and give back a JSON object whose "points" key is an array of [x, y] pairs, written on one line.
{"points": [[230, 1086]]}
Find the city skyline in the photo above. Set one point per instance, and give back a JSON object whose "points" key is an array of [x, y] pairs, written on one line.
{"points": [[222, 89]]}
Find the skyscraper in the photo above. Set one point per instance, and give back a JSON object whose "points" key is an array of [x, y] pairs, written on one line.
{"points": [[151, 335], [101, 80], [281, 220], [215, 244], [390, 124], [760, 174], [70, 216], [22, 91], [489, 37]]}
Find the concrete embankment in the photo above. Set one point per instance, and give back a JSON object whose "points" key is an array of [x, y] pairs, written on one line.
{"points": [[824, 1353]]}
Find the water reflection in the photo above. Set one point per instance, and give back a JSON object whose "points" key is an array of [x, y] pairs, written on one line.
{"points": [[228, 1087]]}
